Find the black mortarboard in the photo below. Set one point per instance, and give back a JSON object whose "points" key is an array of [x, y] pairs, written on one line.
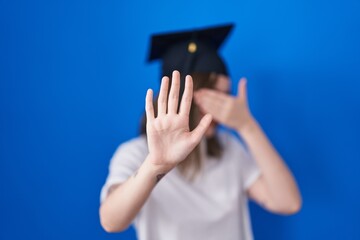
{"points": [[190, 51]]}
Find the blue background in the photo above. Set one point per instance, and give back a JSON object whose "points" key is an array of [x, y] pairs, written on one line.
{"points": [[73, 78]]}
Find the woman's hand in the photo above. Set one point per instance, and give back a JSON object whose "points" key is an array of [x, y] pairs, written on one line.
{"points": [[169, 137], [231, 111], [276, 189], [169, 140]]}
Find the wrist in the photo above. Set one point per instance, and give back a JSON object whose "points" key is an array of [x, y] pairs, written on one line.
{"points": [[154, 168], [249, 126]]}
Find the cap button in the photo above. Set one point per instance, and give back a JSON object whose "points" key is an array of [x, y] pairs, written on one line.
{"points": [[192, 47]]}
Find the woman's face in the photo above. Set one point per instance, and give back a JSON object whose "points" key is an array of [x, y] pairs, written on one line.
{"points": [[222, 85]]}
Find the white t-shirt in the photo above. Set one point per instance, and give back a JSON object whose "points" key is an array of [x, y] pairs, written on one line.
{"points": [[212, 207]]}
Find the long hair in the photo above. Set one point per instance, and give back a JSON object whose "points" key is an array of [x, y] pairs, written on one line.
{"points": [[192, 164]]}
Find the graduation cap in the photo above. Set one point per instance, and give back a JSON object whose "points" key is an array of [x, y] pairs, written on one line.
{"points": [[190, 51]]}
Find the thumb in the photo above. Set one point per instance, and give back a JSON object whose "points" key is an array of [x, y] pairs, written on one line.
{"points": [[200, 130], [242, 93]]}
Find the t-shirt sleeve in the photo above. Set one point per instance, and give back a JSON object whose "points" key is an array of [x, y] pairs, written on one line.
{"points": [[249, 170], [126, 160]]}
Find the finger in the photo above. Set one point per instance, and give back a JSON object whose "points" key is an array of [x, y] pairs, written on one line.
{"points": [[242, 92], [187, 96], [212, 104], [200, 130], [213, 94], [149, 107], [162, 100], [216, 111], [174, 93]]}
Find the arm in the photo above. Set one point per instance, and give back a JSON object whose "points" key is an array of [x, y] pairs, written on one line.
{"points": [[169, 142], [276, 189], [125, 200]]}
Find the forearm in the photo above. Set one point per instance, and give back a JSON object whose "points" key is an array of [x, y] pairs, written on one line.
{"points": [[278, 179], [122, 205]]}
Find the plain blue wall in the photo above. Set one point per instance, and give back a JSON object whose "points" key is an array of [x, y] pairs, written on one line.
{"points": [[73, 79]]}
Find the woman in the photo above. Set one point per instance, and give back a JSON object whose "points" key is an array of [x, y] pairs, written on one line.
{"points": [[207, 176]]}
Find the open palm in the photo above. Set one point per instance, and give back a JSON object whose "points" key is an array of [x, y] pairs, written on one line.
{"points": [[169, 136]]}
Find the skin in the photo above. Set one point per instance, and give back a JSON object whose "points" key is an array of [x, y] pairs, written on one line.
{"points": [[170, 141], [276, 189], [222, 85]]}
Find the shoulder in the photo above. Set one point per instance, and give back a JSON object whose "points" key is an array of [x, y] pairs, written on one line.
{"points": [[137, 143], [134, 149], [230, 141], [235, 149], [237, 153]]}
